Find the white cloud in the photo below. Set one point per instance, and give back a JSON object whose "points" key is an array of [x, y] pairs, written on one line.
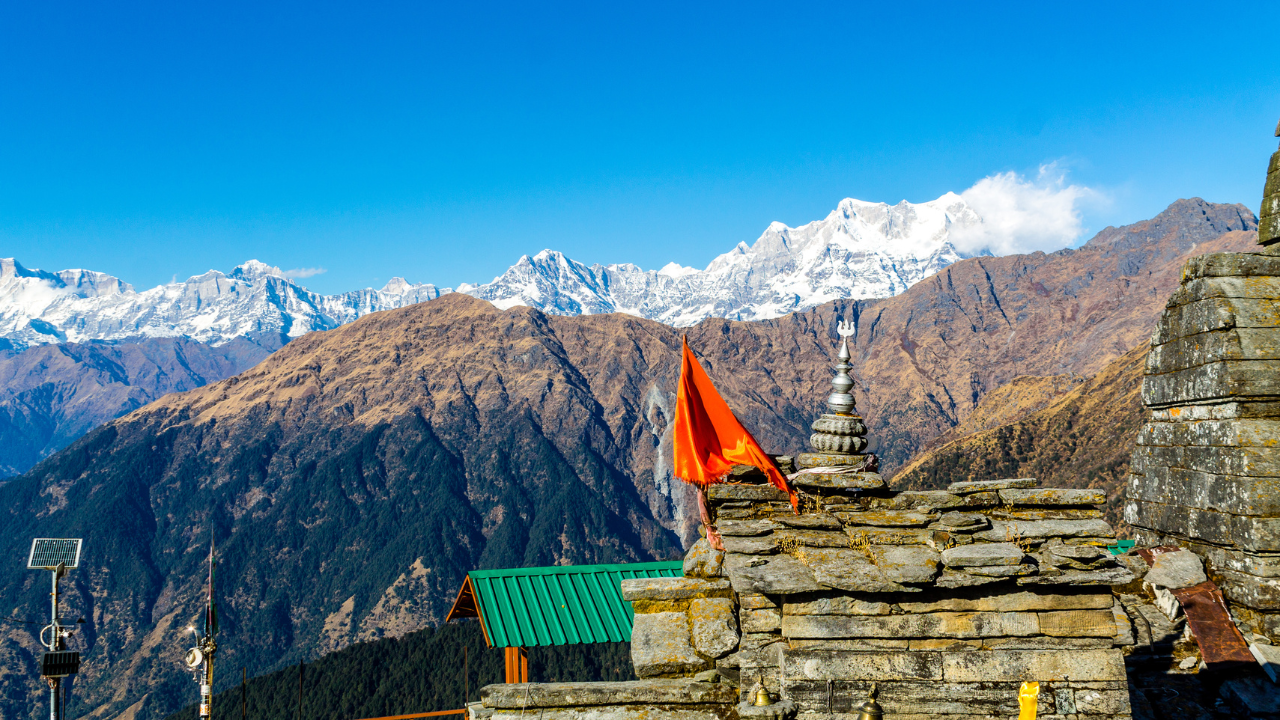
{"points": [[300, 273], [1021, 215]]}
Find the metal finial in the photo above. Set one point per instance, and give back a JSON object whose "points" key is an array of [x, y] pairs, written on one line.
{"points": [[840, 401]]}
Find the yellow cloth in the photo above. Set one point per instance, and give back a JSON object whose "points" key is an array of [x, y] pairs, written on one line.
{"points": [[1027, 700]]}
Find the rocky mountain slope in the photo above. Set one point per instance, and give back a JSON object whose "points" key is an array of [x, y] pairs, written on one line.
{"points": [[50, 395], [1082, 438], [861, 250], [352, 477]]}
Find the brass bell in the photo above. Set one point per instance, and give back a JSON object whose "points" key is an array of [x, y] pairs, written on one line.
{"points": [[871, 709], [762, 696]]}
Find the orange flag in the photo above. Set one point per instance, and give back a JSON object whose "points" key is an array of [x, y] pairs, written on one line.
{"points": [[709, 440]]}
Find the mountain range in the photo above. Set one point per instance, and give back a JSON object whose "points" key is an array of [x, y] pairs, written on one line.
{"points": [[860, 250], [354, 475]]}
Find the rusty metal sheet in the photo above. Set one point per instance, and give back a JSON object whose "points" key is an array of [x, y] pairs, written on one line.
{"points": [[1150, 554], [1221, 644]]}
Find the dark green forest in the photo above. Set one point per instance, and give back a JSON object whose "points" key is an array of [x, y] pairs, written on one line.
{"points": [[420, 672]]}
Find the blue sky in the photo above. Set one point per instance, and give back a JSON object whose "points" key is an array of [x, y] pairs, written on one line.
{"points": [[442, 141]]}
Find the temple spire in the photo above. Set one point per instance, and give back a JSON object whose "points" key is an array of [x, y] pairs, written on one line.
{"points": [[1269, 216]]}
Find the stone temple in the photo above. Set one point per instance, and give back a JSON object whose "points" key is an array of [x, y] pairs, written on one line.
{"points": [[941, 604]]}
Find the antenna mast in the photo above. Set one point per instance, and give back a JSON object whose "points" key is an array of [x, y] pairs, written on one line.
{"points": [[200, 658], [57, 555]]}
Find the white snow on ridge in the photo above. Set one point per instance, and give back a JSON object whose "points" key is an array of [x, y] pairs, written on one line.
{"points": [[860, 250]]}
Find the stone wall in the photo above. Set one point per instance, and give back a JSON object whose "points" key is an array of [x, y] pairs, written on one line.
{"points": [[1205, 473]]}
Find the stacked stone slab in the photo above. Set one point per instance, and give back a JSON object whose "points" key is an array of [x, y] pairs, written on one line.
{"points": [[1269, 220], [947, 600], [1205, 473]]}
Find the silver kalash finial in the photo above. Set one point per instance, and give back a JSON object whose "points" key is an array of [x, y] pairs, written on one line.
{"points": [[841, 402]]}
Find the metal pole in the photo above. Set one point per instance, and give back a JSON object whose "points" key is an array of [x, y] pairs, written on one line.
{"points": [[244, 685], [54, 644], [300, 664], [466, 677]]}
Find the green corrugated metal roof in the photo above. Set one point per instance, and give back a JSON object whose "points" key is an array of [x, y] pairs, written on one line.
{"points": [[561, 605]]}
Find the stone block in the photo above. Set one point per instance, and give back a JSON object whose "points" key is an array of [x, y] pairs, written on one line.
{"points": [[1078, 623], [1257, 534], [761, 621], [1240, 461], [1108, 576], [584, 694], [1253, 432], [1049, 513], [848, 644], [1251, 697], [956, 521], [816, 664], [835, 605], [810, 521], [746, 528], [1045, 643], [715, 629], [1004, 571], [1053, 496], [929, 625], [624, 712], [1258, 288], [1251, 591], [1230, 264], [680, 588], [952, 579], [662, 644], [1005, 530], [1211, 347], [761, 545], [1215, 313], [703, 562], [1228, 379], [813, 538], [885, 518], [1220, 558], [1022, 665], [840, 481], [972, 486], [780, 575], [752, 601], [721, 492], [868, 536], [906, 563], [1013, 600], [919, 500], [983, 555], [1234, 494], [916, 700], [848, 569]]}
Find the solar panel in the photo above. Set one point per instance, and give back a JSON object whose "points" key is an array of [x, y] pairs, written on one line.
{"points": [[47, 553]]}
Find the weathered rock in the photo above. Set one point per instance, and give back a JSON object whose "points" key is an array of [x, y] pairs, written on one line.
{"points": [[983, 555], [816, 521], [868, 536], [1109, 576], [781, 575], [745, 528], [1003, 665], [753, 601], [715, 629], [1257, 534], [701, 561], [885, 518], [951, 579], [1003, 571], [763, 620], [1078, 623], [1053, 496], [840, 481], [906, 563], [1012, 601], [728, 491], [813, 538], [680, 588], [1175, 570], [1004, 530], [662, 644], [762, 545], [955, 521], [586, 694], [849, 569], [982, 485], [932, 625], [836, 605], [805, 461]]}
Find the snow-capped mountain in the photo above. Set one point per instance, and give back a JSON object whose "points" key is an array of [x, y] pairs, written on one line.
{"points": [[38, 307], [860, 250]]}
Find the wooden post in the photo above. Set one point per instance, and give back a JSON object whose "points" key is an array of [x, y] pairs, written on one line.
{"points": [[244, 691], [517, 665]]}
